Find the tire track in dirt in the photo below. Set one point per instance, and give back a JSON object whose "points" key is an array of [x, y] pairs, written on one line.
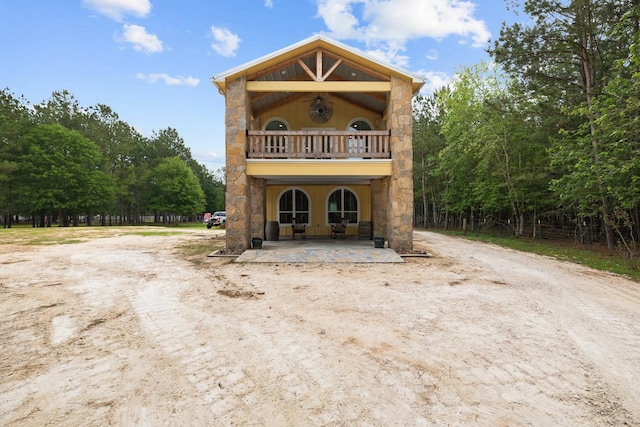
{"points": [[610, 339], [488, 366], [51, 323], [82, 343], [591, 317], [231, 383], [295, 378], [405, 371], [225, 386]]}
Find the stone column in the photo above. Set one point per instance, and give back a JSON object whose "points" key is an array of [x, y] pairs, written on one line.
{"points": [[237, 195], [380, 207], [400, 191], [258, 206]]}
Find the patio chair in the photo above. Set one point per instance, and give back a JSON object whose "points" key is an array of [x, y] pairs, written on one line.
{"points": [[339, 229], [298, 229]]}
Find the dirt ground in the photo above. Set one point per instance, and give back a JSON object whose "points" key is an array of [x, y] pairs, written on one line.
{"points": [[122, 331]]}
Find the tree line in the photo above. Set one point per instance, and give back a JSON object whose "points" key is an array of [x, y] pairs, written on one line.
{"points": [[547, 135], [63, 163]]}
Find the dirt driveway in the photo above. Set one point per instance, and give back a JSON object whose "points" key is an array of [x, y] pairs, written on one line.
{"points": [[122, 331]]}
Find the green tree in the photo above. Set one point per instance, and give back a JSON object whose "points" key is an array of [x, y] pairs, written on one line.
{"points": [[616, 118], [62, 108], [566, 56], [212, 186], [175, 190], [428, 141], [167, 143], [64, 172], [15, 121], [459, 159], [129, 157], [124, 150], [494, 160]]}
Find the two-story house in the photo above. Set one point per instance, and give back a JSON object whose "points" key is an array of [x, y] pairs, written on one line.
{"points": [[318, 132]]}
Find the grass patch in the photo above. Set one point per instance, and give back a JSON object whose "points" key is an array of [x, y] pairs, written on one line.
{"points": [[26, 235], [196, 252], [593, 255]]}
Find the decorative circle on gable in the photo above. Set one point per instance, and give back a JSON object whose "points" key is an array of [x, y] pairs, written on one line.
{"points": [[320, 111]]}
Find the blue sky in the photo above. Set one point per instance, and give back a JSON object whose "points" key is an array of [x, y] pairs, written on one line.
{"points": [[151, 60]]}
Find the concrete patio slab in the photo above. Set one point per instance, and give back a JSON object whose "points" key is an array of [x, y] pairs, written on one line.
{"points": [[319, 250]]}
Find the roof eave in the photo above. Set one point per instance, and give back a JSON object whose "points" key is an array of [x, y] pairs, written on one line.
{"points": [[314, 41]]}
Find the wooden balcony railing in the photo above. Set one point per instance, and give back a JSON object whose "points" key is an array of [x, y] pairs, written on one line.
{"points": [[301, 144]]}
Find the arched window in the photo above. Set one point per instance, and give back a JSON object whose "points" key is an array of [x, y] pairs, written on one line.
{"points": [[342, 203], [276, 123], [276, 144], [360, 124], [293, 203], [359, 145]]}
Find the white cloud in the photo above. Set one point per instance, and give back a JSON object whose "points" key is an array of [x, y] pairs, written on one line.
{"points": [[387, 25], [434, 80], [268, 3], [116, 9], [338, 17], [168, 80], [390, 55], [225, 42], [432, 55], [140, 39]]}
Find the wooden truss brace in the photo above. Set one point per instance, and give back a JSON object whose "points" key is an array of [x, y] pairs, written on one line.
{"points": [[318, 76]]}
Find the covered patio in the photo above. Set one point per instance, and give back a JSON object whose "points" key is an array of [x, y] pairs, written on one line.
{"points": [[319, 250]]}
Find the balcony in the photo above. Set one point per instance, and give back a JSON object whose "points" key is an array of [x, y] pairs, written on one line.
{"points": [[304, 144]]}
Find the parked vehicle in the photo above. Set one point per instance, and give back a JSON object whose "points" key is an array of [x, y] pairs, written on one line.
{"points": [[218, 218]]}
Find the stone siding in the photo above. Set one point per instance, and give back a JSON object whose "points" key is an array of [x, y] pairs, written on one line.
{"points": [[400, 189], [237, 197], [380, 207], [258, 206]]}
